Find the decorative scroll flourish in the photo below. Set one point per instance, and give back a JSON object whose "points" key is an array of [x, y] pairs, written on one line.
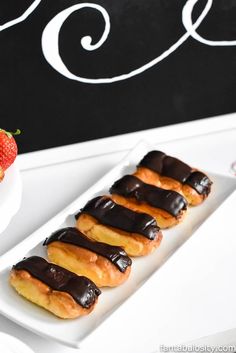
{"points": [[50, 38], [21, 18], [188, 24], [50, 43]]}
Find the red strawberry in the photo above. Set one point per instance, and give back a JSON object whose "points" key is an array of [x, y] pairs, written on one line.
{"points": [[8, 148]]}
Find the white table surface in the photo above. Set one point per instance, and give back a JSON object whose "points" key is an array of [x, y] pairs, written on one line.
{"points": [[53, 178]]}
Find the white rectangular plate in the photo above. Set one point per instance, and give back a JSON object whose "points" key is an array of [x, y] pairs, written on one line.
{"points": [[73, 332]]}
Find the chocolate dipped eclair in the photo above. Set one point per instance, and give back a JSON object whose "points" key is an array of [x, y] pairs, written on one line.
{"points": [[101, 219], [54, 288], [1, 174], [170, 173], [166, 206], [104, 264]]}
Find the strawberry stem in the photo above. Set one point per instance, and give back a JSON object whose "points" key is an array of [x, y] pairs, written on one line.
{"points": [[17, 132], [10, 133]]}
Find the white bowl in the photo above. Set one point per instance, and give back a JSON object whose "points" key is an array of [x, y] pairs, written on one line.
{"points": [[10, 195]]}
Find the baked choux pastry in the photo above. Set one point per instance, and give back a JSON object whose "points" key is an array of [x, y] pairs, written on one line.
{"points": [[103, 220], [168, 207], [104, 264], [1, 174], [54, 288], [170, 173]]}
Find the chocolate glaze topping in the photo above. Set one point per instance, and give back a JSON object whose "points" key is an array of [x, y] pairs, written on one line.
{"points": [[172, 167], [200, 182], [169, 166], [168, 200], [73, 236], [109, 213], [82, 289]]}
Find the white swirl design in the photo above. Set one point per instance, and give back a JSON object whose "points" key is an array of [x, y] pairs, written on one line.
{"points": [[188, 24], [50, 45], [21, 18], [50, 36]]}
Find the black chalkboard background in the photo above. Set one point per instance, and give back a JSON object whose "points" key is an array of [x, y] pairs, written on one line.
{"points": [[196, 81]]}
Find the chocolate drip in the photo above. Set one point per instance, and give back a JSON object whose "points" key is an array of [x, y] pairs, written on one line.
{"points": [[109, 213], [200, 182], [168, 200], [172, 167], [82, 289], [73, 236], [168, 166]]}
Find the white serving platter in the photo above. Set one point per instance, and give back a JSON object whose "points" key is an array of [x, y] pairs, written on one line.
{"points": [[10, 344], [72, 333], [10, 195]]}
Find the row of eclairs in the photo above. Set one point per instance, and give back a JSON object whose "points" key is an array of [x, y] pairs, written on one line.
{"points": [[108, 231]]}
